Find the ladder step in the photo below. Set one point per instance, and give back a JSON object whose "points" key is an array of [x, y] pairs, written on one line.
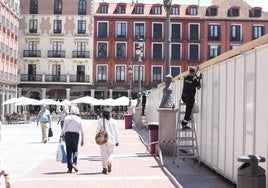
{"points": [[187, 139], [184, 147]]}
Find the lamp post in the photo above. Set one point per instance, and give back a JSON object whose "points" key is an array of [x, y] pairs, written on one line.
{"points": [[130, 71], [139, 53], [167, 98]]}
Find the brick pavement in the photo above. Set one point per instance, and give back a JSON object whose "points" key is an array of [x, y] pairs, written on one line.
{"points": [[133, 167]]}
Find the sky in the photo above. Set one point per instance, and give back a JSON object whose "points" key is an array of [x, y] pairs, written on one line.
{"points": [[253, 3]]}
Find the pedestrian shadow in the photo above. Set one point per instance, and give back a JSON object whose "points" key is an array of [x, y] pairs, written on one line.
{"points": [[54, 173], [88, 174]]}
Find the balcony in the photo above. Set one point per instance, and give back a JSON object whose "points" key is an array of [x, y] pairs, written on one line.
{"points": [[81, 54], [60, 79], [79, 78], [31, 53], [31, 77], [55, 78], [56, 54]]}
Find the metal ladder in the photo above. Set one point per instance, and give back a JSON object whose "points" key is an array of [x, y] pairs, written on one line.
{"points": [[186, 140]]}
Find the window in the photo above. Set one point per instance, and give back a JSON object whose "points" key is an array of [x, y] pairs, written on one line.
{"points": [[32, 45], [139, 30], [193, 52], [80, 71], [157, 31], [139, 10], [175, 52], [34, 7], [56, 72], [213, 12], [102, 50], [31, 72], [136, 74], [175, 71], [120, 74], [121, 9], [257, 32], [57, 7], [175, 10], [81, 27], [57, 26], [214, 32], [157, 51], [157, 75], [104, 9], [142, 51], [121, 30], [82, 7], [102, 73], [102, 29], [213, 51], [235, 33], [193, 11], [233, 12], [121, 51], [81, 48], [176, 31], [157, 10], [257, 13], [33, 26], [194, 32], [56, 49]]}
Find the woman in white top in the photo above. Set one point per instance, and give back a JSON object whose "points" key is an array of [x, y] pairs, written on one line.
{"points": [[107, 149], [71, 130]]}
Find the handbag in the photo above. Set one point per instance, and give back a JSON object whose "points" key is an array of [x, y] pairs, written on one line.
{"points": [[102, 136], [50, 132]]}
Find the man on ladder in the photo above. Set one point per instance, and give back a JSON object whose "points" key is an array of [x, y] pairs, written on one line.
{"points": [[190, 83]]}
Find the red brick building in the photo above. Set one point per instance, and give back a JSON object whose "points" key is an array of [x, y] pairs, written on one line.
{"points": [[198, 34]]}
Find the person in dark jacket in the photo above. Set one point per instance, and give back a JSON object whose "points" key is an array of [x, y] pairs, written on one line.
{"points": [[190, 83]]}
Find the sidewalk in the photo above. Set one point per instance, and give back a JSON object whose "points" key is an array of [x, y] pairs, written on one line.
{"points": [[33, 164], [132, 166]]}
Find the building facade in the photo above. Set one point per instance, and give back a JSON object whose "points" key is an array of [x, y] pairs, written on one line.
{"points": [[56, 46], [9, 58], [72, 48], [197, 34]]}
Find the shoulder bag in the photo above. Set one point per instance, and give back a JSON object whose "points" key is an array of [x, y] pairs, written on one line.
{"points": [[102, 136]]}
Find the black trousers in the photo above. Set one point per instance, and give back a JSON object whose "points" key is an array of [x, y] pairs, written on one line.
{"points": [[71, 141], [189, 101]]}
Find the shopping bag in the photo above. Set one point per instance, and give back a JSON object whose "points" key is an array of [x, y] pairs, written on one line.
{"points": [[59, 153], [64, 155]]}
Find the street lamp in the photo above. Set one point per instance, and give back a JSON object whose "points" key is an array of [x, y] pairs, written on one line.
{"points": [[167, 98], [139, 53], [130, 71]]}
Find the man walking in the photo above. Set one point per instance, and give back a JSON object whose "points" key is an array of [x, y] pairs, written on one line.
{"points": [[44, 118], [190, 83]]}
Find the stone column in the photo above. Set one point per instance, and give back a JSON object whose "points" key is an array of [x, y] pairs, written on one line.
{"points": [[167, 129], [68, 93], [92, 94], [3, 100], [44, 93], [138, 117], [111, 93]]}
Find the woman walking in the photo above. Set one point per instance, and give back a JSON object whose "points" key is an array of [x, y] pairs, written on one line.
{"points": [[71, 130], [107, 149]]}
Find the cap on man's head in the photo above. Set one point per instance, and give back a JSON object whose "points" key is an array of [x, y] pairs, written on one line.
{"points": [[191, 69], [106, 110]]}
